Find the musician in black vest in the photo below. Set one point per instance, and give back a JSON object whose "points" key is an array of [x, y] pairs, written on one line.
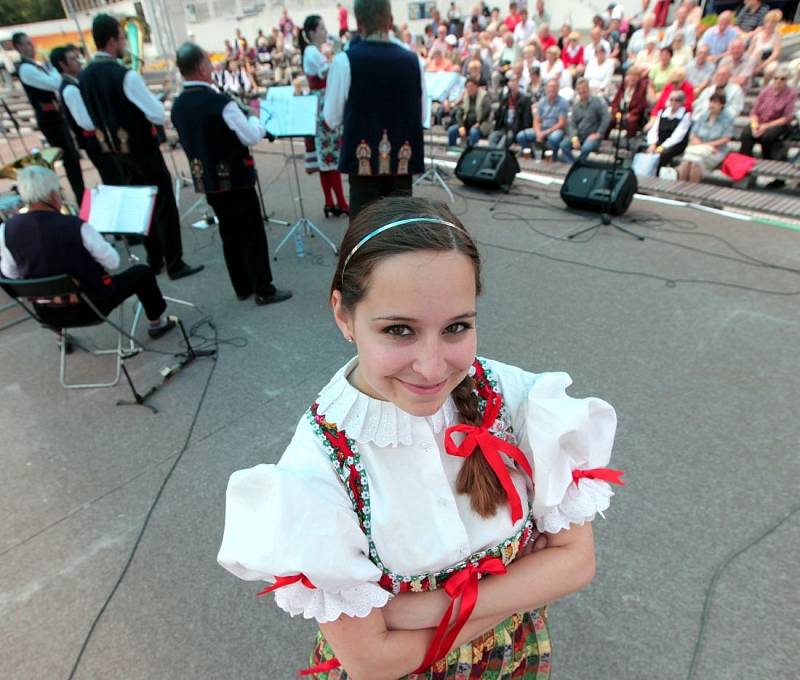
{"points": [[669, 134], [66, 61], [215, 134], [125, 115], [376, 89], [41, 84], [43, 242]]}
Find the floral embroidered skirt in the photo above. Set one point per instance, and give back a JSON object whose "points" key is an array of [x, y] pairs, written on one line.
{"points": [[322, 150], [517, 648]]}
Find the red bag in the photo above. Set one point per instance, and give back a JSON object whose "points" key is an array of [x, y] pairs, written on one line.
{"points": [[737, 166]]}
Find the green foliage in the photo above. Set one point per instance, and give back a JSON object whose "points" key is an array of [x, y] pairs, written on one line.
{"points": [[27, 11]]}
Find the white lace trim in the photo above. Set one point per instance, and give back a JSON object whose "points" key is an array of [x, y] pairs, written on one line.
{"points": [[370, 420], [325, 606], [580, 504]]}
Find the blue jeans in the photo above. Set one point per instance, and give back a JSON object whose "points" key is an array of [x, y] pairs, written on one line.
{"points": [[527, 139], [474, 134], [587, 146]]}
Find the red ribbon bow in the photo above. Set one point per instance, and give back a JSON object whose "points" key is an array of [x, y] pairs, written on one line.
{"points": [[463, 584], [491, 447], [281, 581], [606, 474]]}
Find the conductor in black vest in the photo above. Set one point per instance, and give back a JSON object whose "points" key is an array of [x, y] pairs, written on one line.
{"points": [[216, 135], [65, 60], [42, 84], [376, 89], [125, 115]]}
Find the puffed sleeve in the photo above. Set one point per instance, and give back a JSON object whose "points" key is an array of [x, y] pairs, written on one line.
{"points": [[562, 436], [296, 518]]}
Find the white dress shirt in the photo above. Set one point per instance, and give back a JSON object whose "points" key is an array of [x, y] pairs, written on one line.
{"points": [[315, 63], [524, 31], [599, 75], [296, 516], [30, 75], [338, 87], [74, 102], [100, 249], [678, 134], [135, 90], [249, 130]]}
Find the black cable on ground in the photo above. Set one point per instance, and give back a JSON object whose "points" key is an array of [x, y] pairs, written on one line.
{"points": [[137, 542]]}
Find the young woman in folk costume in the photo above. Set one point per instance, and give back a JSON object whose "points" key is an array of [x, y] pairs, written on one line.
{"points": [[322, 152], [404, 513]]}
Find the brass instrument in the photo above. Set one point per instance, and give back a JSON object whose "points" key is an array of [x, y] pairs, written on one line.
{"points": [[46, 158]]}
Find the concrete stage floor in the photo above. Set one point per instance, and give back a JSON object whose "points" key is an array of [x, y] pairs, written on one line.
{"points": [[702, 371]]}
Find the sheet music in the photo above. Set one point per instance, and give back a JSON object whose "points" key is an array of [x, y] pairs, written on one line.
{"points": [[289, 116], [122, 209]]}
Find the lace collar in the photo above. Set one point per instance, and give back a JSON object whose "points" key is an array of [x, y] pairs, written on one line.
{"points": [[366, 419]]}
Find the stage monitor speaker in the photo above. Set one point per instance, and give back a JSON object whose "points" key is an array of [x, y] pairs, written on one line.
{"points": [[586, 187], [487, 167]]}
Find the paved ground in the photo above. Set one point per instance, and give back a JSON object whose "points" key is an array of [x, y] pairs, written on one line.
{"points": [[703, 376]]}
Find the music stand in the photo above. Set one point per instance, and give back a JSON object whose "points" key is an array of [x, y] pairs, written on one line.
{"points": [[286, 118]]}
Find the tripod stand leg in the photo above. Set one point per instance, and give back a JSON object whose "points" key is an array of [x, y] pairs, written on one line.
{"points": [[583, 231], [627, 231]]}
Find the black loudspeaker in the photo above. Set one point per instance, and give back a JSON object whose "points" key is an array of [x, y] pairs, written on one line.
{"points": [[587, 185], [487, 167]]}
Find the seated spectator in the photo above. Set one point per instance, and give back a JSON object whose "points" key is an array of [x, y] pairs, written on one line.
{"points": [[472, 118], [540, 15], [440, 42], [699, 71], [564, 34], [638, 40], [680, 26], [588, 123], [595, 40], [720, 36], [708, 141], [669, 134], [772, 113], [738, 63], [513, 17], [513, 115], [475, 69], [436, 62], [765, 44], [630, 101], [751, 16], [695, 12], [615, 38], [546, 38], [549, 122], [525, 29], [532, 84], [552, 66], [572, 54], [681, 53], [649, 56], [43, 242], [677, 82], [660, 73], [485, 67], [511, 51], [237, 82], [494, 20], [599, 72], [720, 82]]}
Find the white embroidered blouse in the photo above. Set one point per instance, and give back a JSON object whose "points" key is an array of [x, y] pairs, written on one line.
{"points": [[296, 516]]}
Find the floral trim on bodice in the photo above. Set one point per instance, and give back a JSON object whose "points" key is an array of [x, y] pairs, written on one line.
{"points": [[343, 453]]}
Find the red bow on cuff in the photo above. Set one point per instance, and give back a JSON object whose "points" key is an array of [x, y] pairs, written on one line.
{"points": [[491, 447], [281, 581], [463, 584], [605, 474]]}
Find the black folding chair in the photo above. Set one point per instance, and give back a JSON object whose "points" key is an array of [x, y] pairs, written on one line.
{"points": [[58, 303]]}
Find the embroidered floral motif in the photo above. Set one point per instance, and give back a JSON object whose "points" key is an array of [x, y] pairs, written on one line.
{"points": [[343, 453]]}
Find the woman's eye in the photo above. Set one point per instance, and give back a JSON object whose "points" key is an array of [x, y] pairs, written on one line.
{"points": [[399, 331], [459, 327]]}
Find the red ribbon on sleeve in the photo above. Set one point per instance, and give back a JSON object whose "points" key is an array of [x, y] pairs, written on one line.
{"points": [[605, 474], [463, 584], [491, 447], [281, 581]]}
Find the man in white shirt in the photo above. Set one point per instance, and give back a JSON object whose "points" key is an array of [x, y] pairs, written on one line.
{"points": [[680, 25], [734, 95], [125, 116], [525, 29], [595, 40], [41, 83], [639, 38], [700, 70], [216, 135]]}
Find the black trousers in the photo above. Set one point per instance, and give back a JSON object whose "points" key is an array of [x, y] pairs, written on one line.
{"points": [[666, 156], [163, 243], [244, 241], [365, 190], [140, 281], [106, 166], [772, 147], [58, 134]]}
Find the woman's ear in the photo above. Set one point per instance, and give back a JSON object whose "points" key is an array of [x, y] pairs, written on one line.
{"points": [[342, 317]]}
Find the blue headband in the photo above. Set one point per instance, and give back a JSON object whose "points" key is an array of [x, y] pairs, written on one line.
{"points": [[392, 225]]}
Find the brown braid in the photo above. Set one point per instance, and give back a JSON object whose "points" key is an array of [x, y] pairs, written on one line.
{"points": [[476, 477]]}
